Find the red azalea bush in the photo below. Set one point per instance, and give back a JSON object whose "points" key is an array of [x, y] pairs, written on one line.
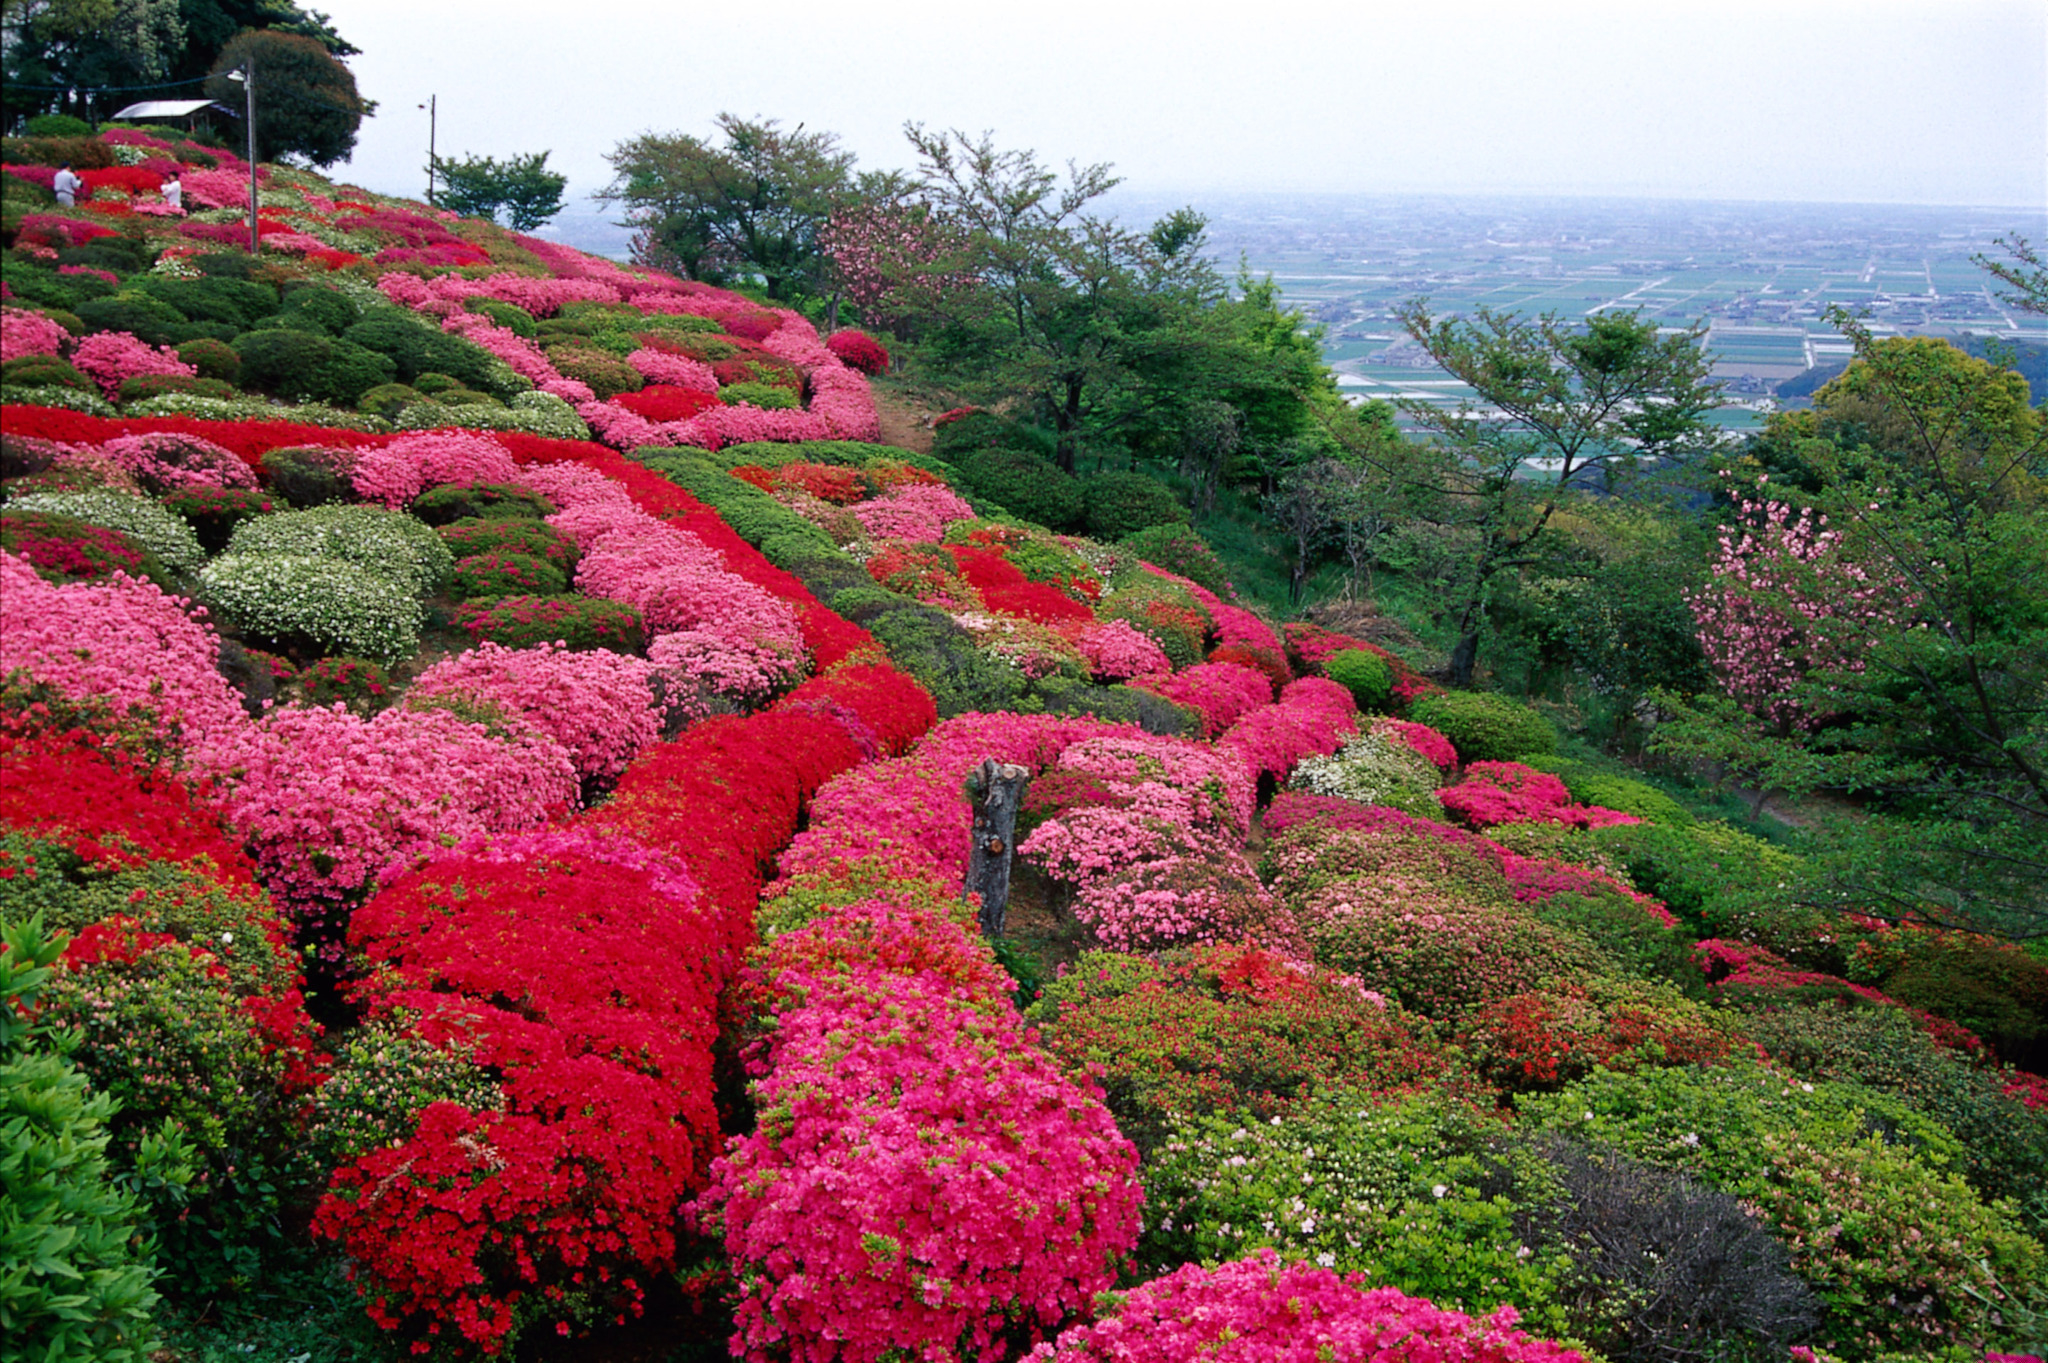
{"points": [[1262, 1310], [858, 350], [1509, 792], [67, 547], [1309, 646], [1546, 1038], [666, 402]]}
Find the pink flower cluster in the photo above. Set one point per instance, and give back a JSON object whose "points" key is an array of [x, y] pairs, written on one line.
{"points": [[679, 584], [123, 641], [29, 333], [921, 1178], [222, 187], [524, 358], [1221, 693], [840, 397], [1508, 792], [595, 703], [1785, 603], [1117, 650], [395, 473], [658, 366], [1422, 738], [914, 511], [109, 357], [165, 462], [1264, 1310], [329, 801], [1313, 716]]}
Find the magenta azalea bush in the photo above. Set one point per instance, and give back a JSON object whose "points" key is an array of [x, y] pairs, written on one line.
{"points": [[597, 704], [1264, 1310]]}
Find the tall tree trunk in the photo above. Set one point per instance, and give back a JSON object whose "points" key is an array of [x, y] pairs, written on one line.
{"points": [[1067, 421], [1465, 657], [997, 789]]}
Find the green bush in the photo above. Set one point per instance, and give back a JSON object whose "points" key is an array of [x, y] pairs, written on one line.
{"points": [[308, 476], [75, 1273], [152, 526], [1723, 882], [465, 397], [214, 512], [389, 399], [767, 396], [1364, 674], [416, 348], [383, 1078], [753, 515], [56, 125], [349, 372], [837, 453], [433, 384], [1485, 726], [145, 317], [213, 359], [496, 573], [510, 316], [947, 661], [483, 535], [333, 312], [389, 543], [451, 502], [143, 387], [580, 622], [1425, 1194], [1180, 549], [1028, 486], [238, 303], [1630, 797], [281, 361], [44, 371], [1119, 504], [607, 375], [298, 603]]}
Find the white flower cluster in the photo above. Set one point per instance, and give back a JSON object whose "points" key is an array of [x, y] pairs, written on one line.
{"points": [[255, 409], [341, 607], [1372, 768], [75, 399], [156, 529], [393, 545]]}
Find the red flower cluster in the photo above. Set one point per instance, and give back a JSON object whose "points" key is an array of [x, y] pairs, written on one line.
{"points": [[666, 402], [1509, 792], [1005, 588], [858, 350], [1309, 646]]}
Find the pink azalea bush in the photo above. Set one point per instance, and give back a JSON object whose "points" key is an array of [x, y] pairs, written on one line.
{"points": [[915, 511], [328, 801], [166, 462], [23, 332], [596, 703], [396, 473], [1422, 738], [109, 358], [1312, 717], [124, 641], [921, 1178], [657, 366], [1117, 650], [1222, 693], [1509, 792], [1265, 1310]]}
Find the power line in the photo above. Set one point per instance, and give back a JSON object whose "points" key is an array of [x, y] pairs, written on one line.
{"points": [[106, 89]]}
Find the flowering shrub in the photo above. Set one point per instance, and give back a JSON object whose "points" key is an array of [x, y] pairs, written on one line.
{"points": [[924, 574], [327, 800], [1221, 693], [530, 621], [1225, 1028], [122, 641], [1373, 768], [1486, 727], [916, 511], [1116, 651], [169, 462], [1551, 1037], [395, 473], [675, 371], [663, 402], [1509, 792], [113, 357], [1263, 1310], [596, 704], [156, 529], [64, 546], [1311, 718], [1422, 739], [857, 350], [23, 332], [912, 1152], [322, 605]]}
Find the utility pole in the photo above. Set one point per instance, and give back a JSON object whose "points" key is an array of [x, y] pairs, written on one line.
{"points": [[247, 76], [433, 117]]}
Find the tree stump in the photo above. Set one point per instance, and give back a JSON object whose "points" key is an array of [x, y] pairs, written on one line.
{"points": [[997, 790]]}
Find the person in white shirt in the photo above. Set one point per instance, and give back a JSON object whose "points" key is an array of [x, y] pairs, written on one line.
{"points": [[67, 186], [174, 191]]}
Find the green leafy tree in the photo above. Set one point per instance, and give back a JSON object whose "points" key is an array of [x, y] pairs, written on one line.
{"points": [[306, 99], [1559, 408], [2025, 274], [1932, 470], [521, 188], [750, 205]]}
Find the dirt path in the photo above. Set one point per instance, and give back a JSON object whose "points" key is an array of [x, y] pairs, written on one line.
{"points": [[904, 425]]}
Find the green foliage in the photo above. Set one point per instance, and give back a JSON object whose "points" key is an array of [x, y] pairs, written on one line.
{"points": [[1365, 675], [329, 309], [143, 387], [213, 359], [306, 100], [1996, 989], [44, 371], [1425, 1194], [607, 375], [753, 515], [389, 399], [580, 622], [1373, 769], [383, 1078], [358, 683], [56, 125], [510, 316], [213, 513], [1485, 726], [20, 531], [767, 396], [75, 1283], [1639, 947], [417, 348], [1180, 549], [1726, 883], [483, 535], [147, 318], [308, 476], [238, 303], [1116, 505], [451, 502], [521, 188], [309, 367], [1024, 485]]}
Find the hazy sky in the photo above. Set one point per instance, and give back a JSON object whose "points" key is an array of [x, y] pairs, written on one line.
{"points": [[1934, 101]]}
